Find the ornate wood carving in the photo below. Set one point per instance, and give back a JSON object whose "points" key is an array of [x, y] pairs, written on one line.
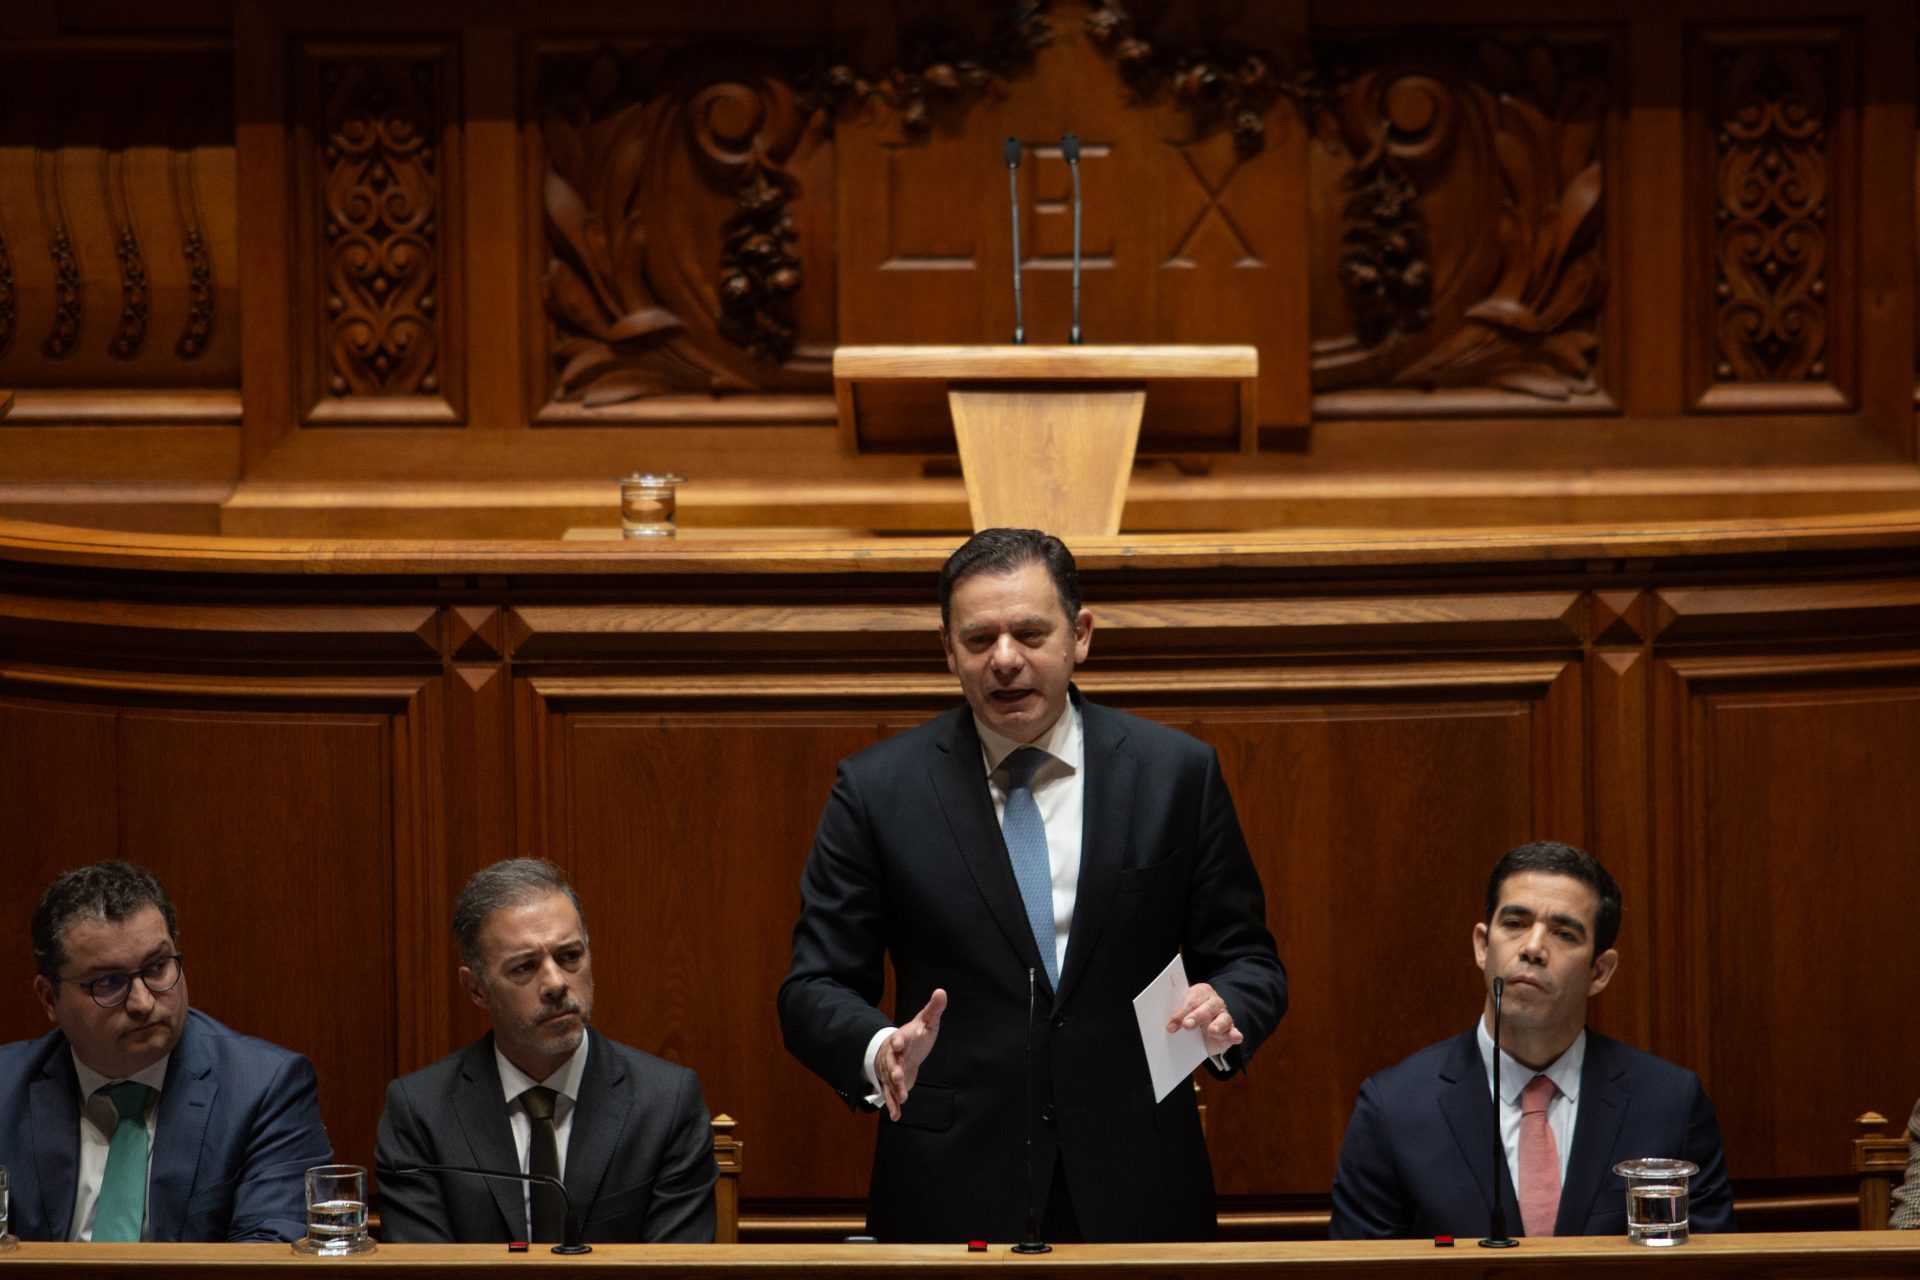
{"points": [[1772, 186], [381, 194], [132, 328], [1467, 226], [670, 199], [64, 334], [198, 327], [938, 65], [1220, 83]]}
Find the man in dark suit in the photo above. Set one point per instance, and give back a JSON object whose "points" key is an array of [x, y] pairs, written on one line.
{"points": [[626, 1132], [1031, 861], [1418, 1156], [138, 1118]]}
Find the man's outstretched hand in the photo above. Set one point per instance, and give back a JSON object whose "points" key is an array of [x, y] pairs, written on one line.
{"points": [[897, 1065]]}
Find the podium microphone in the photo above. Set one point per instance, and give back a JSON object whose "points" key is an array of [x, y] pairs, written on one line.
{"points": [[1011, 151], [1033, 1243], [1497, 1237], [570, 1235], [1070, 148]]}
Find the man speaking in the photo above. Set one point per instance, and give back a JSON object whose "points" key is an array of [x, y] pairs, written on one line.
{"points": [[1030, 861]]}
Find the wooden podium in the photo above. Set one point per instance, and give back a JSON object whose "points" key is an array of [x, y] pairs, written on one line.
{"points": [[1047, 435]]}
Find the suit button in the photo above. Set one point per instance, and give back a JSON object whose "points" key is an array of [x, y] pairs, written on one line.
{"points": [[1047, 1115], [1059, 1021]]}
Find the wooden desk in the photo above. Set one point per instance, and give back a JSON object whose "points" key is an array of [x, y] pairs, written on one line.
{"points": [[1807, 1256]]}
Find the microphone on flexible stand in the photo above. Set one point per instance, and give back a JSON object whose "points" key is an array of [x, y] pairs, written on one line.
{"points": [[1497, 1237], [570, 1242], [1033, 1243], [1070, 148], [1011, 151]]}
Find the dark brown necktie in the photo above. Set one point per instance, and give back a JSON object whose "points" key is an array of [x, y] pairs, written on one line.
{"points": [[543, 1157]]}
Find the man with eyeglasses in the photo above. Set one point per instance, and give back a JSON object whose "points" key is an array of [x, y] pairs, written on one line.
{"points": [[138, 1118]]}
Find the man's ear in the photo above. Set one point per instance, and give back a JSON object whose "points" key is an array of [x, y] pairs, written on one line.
{"points": [[1603, 967], [44, 990], [1480, 947], [946, 650], [474, 986], [1082, 636]]}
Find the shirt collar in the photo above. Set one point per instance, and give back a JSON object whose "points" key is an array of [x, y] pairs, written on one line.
{"points": [[92, 1081], [565, 1081], [1062, 742], [1564, 1070]]}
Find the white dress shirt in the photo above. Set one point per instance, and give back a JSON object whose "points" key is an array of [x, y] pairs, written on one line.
{"points": [[98, 1120], [566, 1083], [1059, 791], [1562, 1112]]}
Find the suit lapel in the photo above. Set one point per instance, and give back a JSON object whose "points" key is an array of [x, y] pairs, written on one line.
{"points": [[960, 783], [599, 1123], [186, 1104], [482, 1110], [1106, 822], [54, 1114], [1467, 1104], [1603, 1108]]}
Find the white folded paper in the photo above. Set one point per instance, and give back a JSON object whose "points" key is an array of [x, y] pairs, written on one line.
{"points": [[1171, 1055]]}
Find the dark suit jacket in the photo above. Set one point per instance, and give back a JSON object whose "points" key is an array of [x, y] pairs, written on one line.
{"points": [[639, 1159], [909, 860], [238, 1126], [1419, 1148]]}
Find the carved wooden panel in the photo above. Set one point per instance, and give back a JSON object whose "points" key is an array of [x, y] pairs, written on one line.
{"points": [[1775, 174], [117, 222], [681, 207], [377, 245], [1461, 202], [1787, 879]]}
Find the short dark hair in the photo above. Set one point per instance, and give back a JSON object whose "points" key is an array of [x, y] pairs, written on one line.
{"points": [[1005, 550], [104, 893], [508, 883], [1555, 858]]}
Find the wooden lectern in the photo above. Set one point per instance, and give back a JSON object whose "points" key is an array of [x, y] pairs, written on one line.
{"points": [[1047, 435]]}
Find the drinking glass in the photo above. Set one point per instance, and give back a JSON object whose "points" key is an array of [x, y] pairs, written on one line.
{"points": [[336, 1211], [6, 1241], [1656, 1199], [647, 503]]}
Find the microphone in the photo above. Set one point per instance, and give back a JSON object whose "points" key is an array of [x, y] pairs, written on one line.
{"points": [[1033, 1243], [1497, 1237], [570, 1237], [1070, 148], [1010, 149]]}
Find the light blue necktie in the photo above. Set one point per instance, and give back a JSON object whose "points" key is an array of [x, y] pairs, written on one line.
{"points": [[123, 1188], [1026, 837]]}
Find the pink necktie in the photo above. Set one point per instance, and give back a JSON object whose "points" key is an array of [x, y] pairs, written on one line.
{"points": [[1539, 1160]]}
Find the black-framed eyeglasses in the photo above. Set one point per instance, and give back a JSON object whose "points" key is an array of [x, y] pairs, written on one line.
{"points": [[110, 990]]}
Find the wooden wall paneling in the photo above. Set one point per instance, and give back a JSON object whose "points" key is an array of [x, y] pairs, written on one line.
{"points": [[122, 629], [1619, 666], [263, 158], [59, 808], [1773, 215], [1654, 245], [1793, 890], [1886, 211], [1465, 208], [494, 265], [379, 315], [1375, 803], [685, 831]]}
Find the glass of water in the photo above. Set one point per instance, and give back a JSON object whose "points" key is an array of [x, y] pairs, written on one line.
{"points": [[1656, 1199], [336, 1211], [647, 505], [6, 1240]]}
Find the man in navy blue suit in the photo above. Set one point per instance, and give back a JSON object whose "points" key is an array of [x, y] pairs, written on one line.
{"points": [[1418, 1156], [138, 1118]]}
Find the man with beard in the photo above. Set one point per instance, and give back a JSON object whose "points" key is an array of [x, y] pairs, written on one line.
{"points": [[627, 1133], [1418, 1156], [138, 1118]]}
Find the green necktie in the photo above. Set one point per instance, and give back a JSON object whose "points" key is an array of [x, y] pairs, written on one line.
{"points": [[123, 1190]]}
